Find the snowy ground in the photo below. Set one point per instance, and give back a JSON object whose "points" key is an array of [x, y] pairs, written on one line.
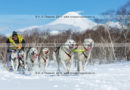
{"points": [[108, 77]]}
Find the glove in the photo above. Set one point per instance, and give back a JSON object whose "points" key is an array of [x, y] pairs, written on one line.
{"points": [[20, 46]]}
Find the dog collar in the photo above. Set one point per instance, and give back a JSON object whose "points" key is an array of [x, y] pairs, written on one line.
{"points": [[20, 56]]}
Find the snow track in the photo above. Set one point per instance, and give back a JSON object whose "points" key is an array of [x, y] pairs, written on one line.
{"points": [[108, 77]]}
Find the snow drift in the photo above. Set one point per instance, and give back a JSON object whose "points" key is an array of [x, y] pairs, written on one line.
{"points": [[114, 76]]}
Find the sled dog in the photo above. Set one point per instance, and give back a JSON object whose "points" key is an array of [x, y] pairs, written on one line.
{"points": [[83, 53], [65, 55], [44, 59], [14, 60], [21, 58], [32, 59]]}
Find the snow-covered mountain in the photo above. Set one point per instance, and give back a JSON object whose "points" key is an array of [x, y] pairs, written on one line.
{"points": [[71, 21], [115, 25], [75, 20]]}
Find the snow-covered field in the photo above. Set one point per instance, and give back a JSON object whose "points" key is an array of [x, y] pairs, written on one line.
{"points": [[108, 77]]}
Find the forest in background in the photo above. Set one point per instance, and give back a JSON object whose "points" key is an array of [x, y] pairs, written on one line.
{"points": [[102, 34]]}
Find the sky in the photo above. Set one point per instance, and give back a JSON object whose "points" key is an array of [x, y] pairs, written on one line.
{"points": [[16, 14]]}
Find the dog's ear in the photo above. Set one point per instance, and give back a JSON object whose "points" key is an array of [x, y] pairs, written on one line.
{"points": [[29, 48], [41, 50]]}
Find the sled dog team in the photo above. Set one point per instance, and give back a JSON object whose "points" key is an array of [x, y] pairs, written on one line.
{"points": [[63, 55]]}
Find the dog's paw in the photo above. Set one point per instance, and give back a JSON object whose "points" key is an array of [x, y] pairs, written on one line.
{"points": [[15, 71], [33, 73]]}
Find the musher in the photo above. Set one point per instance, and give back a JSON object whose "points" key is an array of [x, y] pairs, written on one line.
{"points": [[14, 42]]}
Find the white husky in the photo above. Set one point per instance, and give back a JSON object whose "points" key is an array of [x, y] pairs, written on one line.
{"points": [[44, 59], [14, 60], [21, 58], [64, 54], [83, 53], [32, 59]]}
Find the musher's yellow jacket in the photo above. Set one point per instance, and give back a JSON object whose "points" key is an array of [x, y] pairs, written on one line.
{"points": [[16, 45]]}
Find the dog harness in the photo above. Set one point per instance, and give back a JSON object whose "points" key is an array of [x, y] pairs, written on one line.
{"points": [[85, 55], [44, 58], [83, 50], [20, 56], [67, 53], [79, 51]]}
